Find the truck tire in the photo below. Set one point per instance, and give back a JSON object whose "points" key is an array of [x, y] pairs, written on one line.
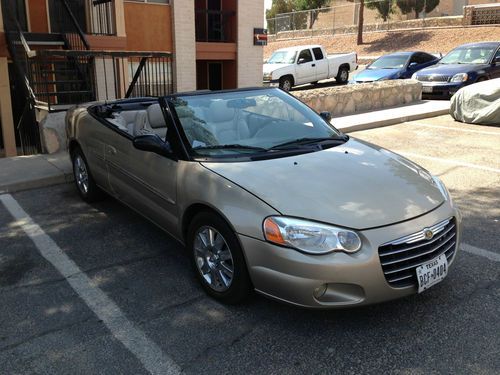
{"points": [[286, 83], [342, 75]]}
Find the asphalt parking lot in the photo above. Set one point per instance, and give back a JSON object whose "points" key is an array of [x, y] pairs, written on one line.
{"points": [[118, 295]]}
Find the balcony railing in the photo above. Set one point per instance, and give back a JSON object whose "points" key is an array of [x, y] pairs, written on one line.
{"points": [[215, 26]]}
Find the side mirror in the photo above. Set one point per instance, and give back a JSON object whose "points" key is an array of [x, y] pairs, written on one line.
{"points": [[496, 60], [412, 65], [301, 61], [152, 143], [327, 116]]}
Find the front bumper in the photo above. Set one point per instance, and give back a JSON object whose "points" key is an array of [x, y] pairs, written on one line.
{"points": [[441, 89], [352, 280], [272, 83]]}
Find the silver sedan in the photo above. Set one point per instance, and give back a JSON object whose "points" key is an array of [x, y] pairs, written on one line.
{"points": [[266, 195]]}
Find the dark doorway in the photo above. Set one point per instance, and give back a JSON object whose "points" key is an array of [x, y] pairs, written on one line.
{"points": [[13, 10], [214, 20], [215, 76], [59, 20]]}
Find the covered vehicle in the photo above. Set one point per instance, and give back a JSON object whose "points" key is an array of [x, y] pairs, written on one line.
{"points": [[465, 65], [478, 103], [266, 195], [398, 65]]}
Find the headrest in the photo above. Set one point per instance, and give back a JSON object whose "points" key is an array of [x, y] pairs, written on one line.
{"points": [[219, 112], [155, 116]]}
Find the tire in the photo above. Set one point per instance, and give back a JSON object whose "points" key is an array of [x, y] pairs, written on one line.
{"points": [[286, 83], [85, 184], [342, 75], [213, 259]]}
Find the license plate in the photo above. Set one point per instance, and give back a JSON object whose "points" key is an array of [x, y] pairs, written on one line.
{"points": [[432, 272], [426, 88]]}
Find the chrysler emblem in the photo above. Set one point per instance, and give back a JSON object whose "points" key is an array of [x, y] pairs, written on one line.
{"points": [[428, 234]]}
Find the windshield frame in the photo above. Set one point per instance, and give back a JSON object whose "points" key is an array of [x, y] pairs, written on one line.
{"points": [[250, 156]]}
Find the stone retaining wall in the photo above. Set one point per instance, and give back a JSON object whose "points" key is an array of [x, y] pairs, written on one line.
{"points": [[350, 99]]}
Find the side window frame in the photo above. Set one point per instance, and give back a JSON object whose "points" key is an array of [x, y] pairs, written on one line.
{"points": [[310, 55], [320, 53]]}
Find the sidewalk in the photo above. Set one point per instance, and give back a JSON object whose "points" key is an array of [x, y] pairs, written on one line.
{"points": [[37, 171]]}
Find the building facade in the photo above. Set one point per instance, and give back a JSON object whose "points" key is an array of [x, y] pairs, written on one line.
{"points": [[57, 53]]}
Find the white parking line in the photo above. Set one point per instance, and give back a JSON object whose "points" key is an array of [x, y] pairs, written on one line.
{"points": [[481, 252], [453, 128], [147, 352], [449, 161]]}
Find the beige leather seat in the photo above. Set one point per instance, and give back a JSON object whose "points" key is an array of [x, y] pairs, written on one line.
{"points": [[225, 124]]}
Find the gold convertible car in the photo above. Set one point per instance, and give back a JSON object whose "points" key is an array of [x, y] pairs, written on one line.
{"points": [[266, 195]]}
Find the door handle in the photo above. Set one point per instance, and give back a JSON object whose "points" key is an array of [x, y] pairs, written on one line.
{"points": [[110, 150], [313, 64]]}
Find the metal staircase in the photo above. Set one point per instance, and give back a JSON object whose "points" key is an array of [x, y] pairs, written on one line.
{"points": [[58, 70]]}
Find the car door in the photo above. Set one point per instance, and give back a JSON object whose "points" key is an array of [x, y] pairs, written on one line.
{"points": [[321, 64], [143, 180], [305, 67]]}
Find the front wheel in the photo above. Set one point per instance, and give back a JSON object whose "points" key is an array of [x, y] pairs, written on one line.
{"points": [[342, 75], [218, 259], [87, 188], [286, 83]]}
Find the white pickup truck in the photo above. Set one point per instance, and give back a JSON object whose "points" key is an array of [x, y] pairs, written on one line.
{"points": [[288, 67]]}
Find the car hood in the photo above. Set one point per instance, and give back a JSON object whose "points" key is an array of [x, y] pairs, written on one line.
{"points": [[450, 69], [375, 74], [356, 185], [269, 68]]}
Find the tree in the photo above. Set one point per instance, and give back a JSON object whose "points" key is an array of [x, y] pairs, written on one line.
{"points": [[383, 7], [361, 21], [309, 5], [416, 6]]}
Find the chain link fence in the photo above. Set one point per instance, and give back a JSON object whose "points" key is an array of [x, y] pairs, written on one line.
{"points": [[343, 16]]}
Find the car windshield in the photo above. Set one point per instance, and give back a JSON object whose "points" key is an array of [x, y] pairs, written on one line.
{"points": [[389, 62], [240, 123], [469, 55], [282, 57]]}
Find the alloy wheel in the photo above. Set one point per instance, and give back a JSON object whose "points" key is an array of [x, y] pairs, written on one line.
{"points": [[81, 174], [213, 258]]}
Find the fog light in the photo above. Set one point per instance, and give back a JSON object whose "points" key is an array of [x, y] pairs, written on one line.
{"points": [[320, 291]]}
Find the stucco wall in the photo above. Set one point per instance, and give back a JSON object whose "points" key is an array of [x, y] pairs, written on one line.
{"points": [[346, 100], [184, 45], [250, 57]]}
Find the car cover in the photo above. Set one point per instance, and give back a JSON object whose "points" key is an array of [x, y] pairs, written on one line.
{"points": [[478, 103]]}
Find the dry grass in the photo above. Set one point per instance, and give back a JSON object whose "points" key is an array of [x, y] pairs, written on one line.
{"points": [[430, 40]]}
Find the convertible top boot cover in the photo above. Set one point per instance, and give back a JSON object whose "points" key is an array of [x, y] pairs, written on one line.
{"points": [[478, 103]]}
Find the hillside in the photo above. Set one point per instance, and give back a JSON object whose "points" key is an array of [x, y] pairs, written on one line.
{"points": [[430, 40]]}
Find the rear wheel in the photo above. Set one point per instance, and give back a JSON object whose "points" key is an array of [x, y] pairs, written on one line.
{"points": [[85, 184], [218, 259], [342, 75], [286, 83]]}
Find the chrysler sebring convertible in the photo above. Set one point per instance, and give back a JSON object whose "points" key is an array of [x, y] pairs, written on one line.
{"points": [[266, 195]]}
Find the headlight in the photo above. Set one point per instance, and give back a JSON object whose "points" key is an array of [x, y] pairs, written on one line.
{"points": [[460, 77], [268, 76], [310, 237]]}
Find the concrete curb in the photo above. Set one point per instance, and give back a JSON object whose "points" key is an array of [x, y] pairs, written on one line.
{"points": [[376, 119], [394, 121]]}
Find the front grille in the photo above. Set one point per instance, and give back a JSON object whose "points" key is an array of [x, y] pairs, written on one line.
{"points": [[433, 78], [400, 258]]}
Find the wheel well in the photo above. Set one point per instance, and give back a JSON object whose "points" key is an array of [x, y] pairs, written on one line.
{"points": [[288, 76], [345, 65], [194, 210], [73, 145]]}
